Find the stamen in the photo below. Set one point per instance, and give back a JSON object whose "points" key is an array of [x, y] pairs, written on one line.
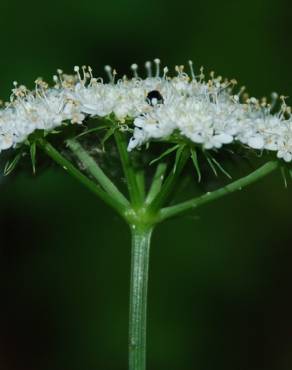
{"points": [[56, 80], [157, 62], [85, 74], [114, 75], [134, 68], [284, 106], [242, 89], [77, 70], [192, 70], [201, 75], [165, 71], [92, 79], [60, 74], [90, 72], [274, 97], [108, 70], [148, 66]]}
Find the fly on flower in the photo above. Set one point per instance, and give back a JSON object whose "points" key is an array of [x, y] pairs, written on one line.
{"points": [[154, 97]]}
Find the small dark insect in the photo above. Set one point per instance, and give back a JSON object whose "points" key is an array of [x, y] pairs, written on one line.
{"points": [[154, 97]]}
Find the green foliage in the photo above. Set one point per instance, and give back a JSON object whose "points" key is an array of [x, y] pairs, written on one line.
{"points": [[11, 164], [33, 156], [194, 157], [178, 156], [284, 177]]}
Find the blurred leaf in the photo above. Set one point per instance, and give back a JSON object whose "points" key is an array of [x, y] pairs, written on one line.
{"points": [[33, 156], [10, 165], [194, 157], [211, 164], [284, 177], [178, 156]]}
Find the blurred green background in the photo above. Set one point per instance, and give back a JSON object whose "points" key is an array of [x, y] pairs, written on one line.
{"points": [[220, 281]]}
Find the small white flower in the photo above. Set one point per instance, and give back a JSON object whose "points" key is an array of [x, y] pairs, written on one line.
{"points": [[256, 142], [6, 141]]}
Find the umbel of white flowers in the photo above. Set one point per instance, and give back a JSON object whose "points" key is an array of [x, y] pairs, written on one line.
{"points": [[206, 112]]}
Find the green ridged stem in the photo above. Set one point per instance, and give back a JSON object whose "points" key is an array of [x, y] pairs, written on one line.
{"points": [[239, 184], [141, 237]]}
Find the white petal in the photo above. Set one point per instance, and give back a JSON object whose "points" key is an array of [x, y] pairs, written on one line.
{"points": [[256, 142], [224, 138]]}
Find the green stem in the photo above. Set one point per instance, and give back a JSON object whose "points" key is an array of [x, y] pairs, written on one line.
{"points": [[156, 182], [68, 166], [138, 297], [135, 195], [170, 183], [208, 197], [140, 178], [93, 168]]}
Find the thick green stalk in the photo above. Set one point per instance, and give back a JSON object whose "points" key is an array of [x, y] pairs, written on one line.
{"points": [[210, 196], [138, 296]]}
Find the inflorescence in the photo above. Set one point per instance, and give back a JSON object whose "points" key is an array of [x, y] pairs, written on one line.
{"points": [[206, 112]]}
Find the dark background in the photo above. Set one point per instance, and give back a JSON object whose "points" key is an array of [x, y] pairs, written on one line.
{"points": [[220, 282]]}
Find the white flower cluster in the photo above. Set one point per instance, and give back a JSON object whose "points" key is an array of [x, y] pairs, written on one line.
{"points": [[208, 112]]}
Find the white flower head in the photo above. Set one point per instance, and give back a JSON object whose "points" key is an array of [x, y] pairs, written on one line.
{"points": [[207, 113]]}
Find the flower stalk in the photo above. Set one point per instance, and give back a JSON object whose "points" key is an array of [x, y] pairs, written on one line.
{"points": [[136, 196], [93, 168], [142, 212], [57, 157], [185, 110], [239, 184]]}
